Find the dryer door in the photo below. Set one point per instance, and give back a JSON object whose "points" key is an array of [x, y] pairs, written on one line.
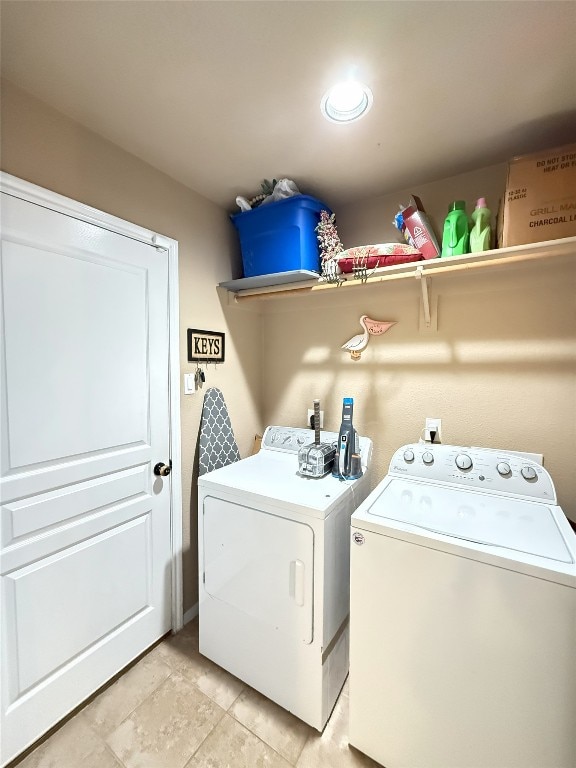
{"points": [[260, 564]]}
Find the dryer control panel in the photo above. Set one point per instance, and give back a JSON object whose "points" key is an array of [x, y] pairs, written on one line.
{"points": [[479, 468], [291, 439]]}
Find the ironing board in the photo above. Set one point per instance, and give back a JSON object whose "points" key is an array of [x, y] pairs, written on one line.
{"points": [[217, 442]]}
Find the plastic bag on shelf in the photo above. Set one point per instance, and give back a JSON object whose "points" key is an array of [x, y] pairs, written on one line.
{"points": [[283, 189]]}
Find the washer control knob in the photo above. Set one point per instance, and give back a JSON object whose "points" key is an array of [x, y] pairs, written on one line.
{"points": [[428, 457], [463, 461], [408, 455], [528, 473], [503, 468]]}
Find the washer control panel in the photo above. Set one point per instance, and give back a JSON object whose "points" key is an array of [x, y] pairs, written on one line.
{"points": [[480, 468]]}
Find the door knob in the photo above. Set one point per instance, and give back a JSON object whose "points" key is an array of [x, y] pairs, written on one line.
{"points": [[162, 469]]}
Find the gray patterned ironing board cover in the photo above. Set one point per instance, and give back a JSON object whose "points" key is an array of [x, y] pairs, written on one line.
{"points": [[217, 442]]}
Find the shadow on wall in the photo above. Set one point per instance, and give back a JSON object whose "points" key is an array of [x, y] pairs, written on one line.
{"points": [[244, 341], [242, 391], [523, 139], [500, 371], [539, 135], [193, 509]]}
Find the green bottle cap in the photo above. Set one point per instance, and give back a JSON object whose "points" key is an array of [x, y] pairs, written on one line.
{"points": [[457, 205]]}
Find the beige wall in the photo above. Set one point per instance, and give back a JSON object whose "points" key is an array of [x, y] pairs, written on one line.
{"points": [[46, 148], [500, 371]]}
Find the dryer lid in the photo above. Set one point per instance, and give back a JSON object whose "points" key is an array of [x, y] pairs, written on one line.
{"points": [[497, 521], [274, 478]]}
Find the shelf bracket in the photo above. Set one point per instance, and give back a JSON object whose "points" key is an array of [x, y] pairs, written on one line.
{"points": [[425, 295]]}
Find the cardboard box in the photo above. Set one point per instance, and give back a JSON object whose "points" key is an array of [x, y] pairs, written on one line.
{"points": [[418, 225], [540, 200]]}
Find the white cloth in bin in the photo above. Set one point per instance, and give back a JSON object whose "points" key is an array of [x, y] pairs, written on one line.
{"points": [[217, 442]]}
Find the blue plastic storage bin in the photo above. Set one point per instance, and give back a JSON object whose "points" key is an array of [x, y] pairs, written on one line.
{"points": [[280, 237]]}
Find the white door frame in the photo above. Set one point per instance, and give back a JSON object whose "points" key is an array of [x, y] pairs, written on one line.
{"points": [[11, 185]]}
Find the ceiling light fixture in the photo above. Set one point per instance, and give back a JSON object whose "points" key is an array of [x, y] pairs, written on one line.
{"points": [[346, 102]]}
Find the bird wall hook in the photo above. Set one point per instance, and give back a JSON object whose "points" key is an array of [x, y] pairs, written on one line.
{"points": [[357, 344]]}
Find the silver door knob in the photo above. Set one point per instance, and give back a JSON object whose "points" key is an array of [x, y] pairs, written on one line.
{"points": [[162, 469]]}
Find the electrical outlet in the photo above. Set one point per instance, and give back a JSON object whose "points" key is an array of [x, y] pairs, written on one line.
{"points": [[310, 414], [433, 425]]}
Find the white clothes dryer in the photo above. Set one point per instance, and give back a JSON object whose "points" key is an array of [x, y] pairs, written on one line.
{"points": [[463, 615], [274, 573]]}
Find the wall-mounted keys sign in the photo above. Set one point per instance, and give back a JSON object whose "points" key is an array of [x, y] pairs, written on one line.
{"points": [[205, 346]]}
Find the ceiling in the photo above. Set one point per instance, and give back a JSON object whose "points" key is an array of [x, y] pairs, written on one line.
{"points": [[220, 95]]}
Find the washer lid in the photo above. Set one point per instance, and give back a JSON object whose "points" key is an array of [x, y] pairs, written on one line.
{"points": [[497, 521]]}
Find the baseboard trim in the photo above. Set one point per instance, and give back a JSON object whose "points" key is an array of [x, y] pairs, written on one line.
{"points": [[190, 614]]}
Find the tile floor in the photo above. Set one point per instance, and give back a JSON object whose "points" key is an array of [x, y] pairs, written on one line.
{"points": [[176, 709]]}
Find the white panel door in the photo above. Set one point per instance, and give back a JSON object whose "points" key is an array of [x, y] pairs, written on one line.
{"points": [[261, 565], [85, 524]]}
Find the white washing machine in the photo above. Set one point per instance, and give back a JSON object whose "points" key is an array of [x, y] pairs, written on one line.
{"points": [[463, 615], [274, 575]]}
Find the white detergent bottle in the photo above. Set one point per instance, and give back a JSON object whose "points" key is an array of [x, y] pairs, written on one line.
{"points": [[480, 234]]}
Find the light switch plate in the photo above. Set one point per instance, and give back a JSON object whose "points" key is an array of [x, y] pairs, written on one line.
{"points": [[189, 384]]}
